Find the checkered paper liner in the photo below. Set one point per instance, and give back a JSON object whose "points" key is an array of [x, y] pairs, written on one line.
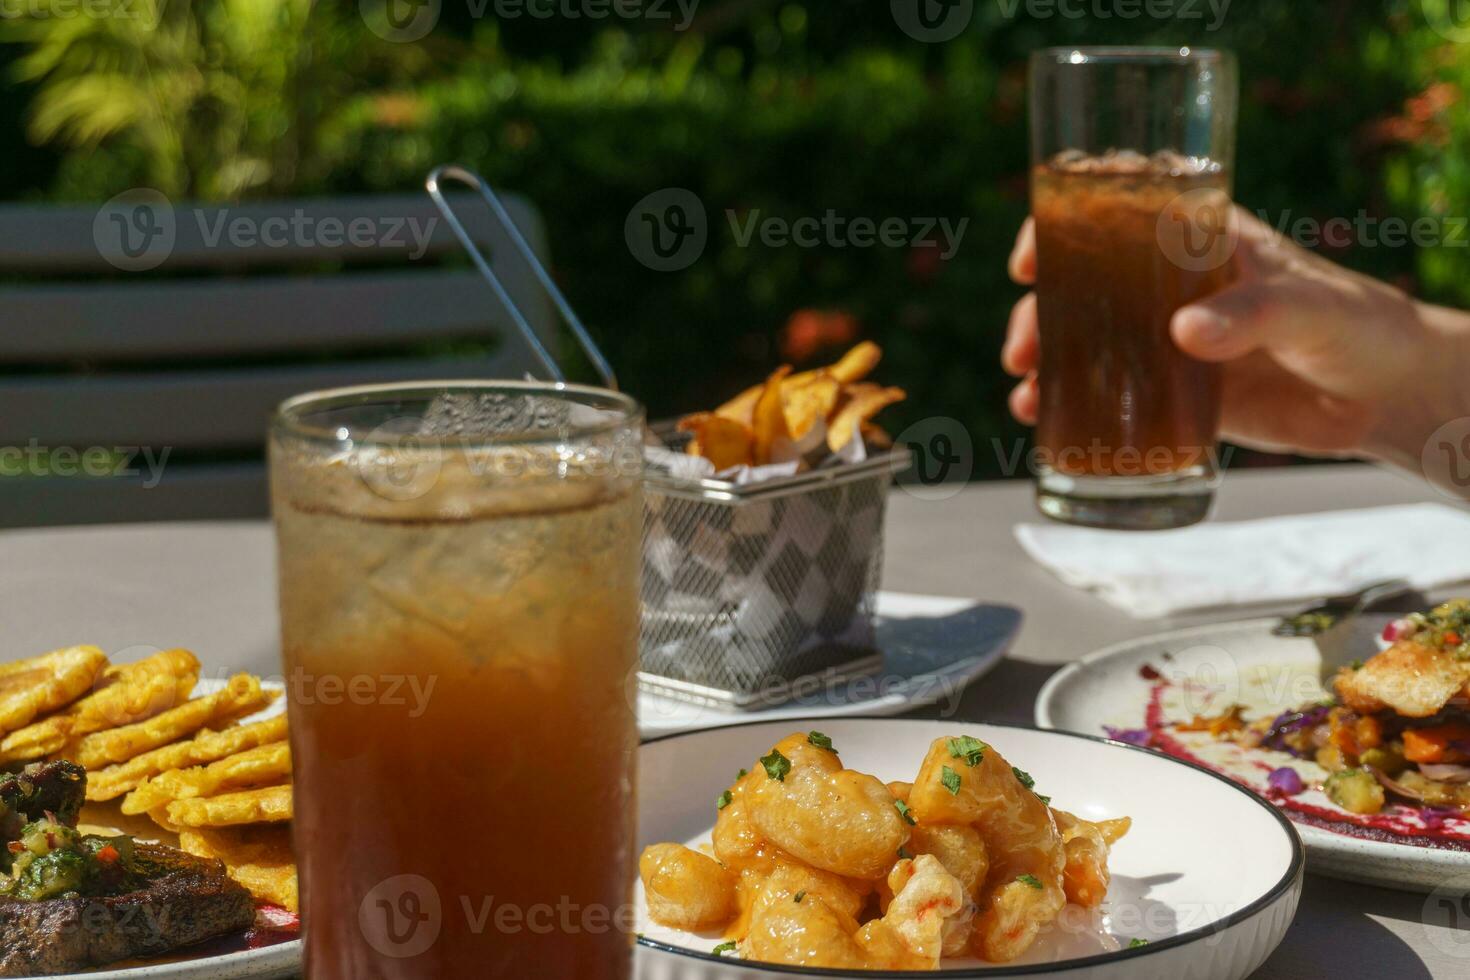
{"points": [[751, 590]]}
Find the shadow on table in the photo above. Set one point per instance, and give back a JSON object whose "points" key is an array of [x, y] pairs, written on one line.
{"points": [[1004, 696], [1337, 933]]}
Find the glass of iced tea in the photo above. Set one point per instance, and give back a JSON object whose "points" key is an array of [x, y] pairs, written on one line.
{"points": [[458, 569], [1132, 155]]}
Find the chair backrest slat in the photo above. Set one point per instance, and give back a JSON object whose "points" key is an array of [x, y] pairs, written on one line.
{"points": [[216, 317]]}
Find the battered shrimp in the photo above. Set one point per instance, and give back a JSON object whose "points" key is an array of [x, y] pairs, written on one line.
{"points": [[965, 781], [738, 845], [685, 889], [803, 933], [1086, 876], [835, 819], [930, 912], [959, 848]]}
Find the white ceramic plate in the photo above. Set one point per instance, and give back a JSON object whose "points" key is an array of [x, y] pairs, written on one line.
{"points": [[933, 648], [1210, 874], [1203, 671], [269, 963]]}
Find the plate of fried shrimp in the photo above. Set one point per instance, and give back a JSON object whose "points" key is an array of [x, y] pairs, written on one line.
{"points": [[889, 848]]}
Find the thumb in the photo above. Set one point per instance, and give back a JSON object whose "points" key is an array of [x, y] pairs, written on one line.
{"points": [[1250, 315]]}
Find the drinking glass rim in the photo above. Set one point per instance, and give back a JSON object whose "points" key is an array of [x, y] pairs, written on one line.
{"points": [[1142, 54], [287, 417]]}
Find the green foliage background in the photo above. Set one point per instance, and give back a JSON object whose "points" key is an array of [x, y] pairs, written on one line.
{"points": [[793, 108]]}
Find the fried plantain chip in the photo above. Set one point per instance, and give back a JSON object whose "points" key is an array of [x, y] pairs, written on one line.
{"points": [[770, 417], [30, 688], [260, 766], [809, 403], [123, 695], [863, 401], [207, 746], [724, 442], [241, 695], [258, 857], [271, 804]]}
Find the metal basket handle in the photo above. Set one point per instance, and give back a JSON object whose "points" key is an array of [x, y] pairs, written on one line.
{"points": [[502, 217]]}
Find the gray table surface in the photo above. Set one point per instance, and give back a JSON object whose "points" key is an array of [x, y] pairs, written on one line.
{"points": [[210, 587]]}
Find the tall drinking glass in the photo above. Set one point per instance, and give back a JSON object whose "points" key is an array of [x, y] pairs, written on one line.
{"points": [[458, 570], [1132, 155]]}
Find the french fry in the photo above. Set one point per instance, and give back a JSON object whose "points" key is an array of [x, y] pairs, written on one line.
{"points": [[809, 403], [770, 417], [724, 442], [258, 857], [741, 408], [269, 805], [205, 747], [857, 363], [863, 402], [124, 694], [875, 435], [30, 688], [260, 766], [241, 695]]}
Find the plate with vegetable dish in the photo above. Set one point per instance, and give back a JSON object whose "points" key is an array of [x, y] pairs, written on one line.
{"points": [[1371, 763], [900, 848]]}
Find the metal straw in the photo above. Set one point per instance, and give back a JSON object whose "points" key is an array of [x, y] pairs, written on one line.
{"points": [[471, 179]]}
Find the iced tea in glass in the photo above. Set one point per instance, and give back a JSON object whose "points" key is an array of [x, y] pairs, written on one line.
{"points": [[1131, 192], [458, 571]]}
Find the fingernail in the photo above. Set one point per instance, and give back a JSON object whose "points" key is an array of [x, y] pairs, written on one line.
{"points": [[1207, 326]]}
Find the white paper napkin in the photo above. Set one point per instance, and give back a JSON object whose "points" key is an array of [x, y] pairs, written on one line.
{"points": [[1274, 560]]}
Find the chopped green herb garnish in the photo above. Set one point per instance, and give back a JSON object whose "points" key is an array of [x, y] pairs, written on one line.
{"points": [[950, 779], [724, 800], [1044, 799], [972, 750], [1030, 881], [1356, 665], [724, 948], [903, 853], [1024, 777], [1135, 943], [905, 812], [776, 766], [741, 774], [799, 897], [820, 741]]}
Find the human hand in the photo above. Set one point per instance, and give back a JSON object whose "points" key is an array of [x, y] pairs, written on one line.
{"points": [[1317, 359]]}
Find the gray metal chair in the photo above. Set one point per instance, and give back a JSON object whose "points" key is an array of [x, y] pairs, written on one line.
{"points": [[187, 360]]}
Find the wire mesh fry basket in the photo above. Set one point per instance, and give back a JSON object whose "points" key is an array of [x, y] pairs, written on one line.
{"points": [[751, 593]]}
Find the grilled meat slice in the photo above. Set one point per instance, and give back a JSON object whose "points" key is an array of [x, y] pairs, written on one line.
{"points": [[1410, 678], [58, 787], [185, 900]]}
